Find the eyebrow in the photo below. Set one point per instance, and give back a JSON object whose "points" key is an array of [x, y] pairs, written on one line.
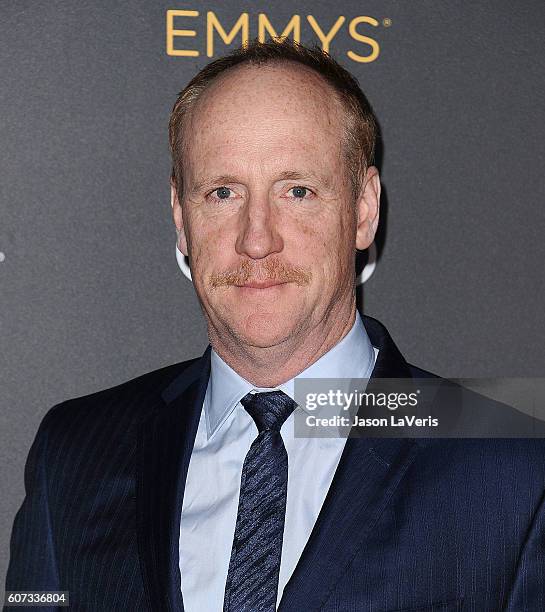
{"points": [[215, 180], [293, 175], [286, 175]]}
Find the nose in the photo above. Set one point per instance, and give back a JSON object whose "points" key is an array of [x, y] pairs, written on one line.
{"points": [[258, 234]]}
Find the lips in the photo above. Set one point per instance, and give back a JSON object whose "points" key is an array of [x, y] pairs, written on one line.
{"points": [[261, 284]]}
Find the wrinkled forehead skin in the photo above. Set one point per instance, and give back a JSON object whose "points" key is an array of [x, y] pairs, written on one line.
{"points": [[283, 112]]}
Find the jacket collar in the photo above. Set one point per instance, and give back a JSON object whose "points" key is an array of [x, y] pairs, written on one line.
{"points": [[390, 362]]}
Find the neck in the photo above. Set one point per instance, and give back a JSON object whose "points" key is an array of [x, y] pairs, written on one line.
{"points": [[273, 365]]}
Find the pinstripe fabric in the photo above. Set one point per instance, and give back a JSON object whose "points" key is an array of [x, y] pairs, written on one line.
{"points": [[252, 579], [83, 526], [406, 525]]}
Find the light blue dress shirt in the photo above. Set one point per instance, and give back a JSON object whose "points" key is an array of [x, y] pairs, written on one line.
{"points": [[223, 438]]}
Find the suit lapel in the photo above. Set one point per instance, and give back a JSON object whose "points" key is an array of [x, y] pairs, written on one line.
{"points": [[165, 443], [369, 471]]}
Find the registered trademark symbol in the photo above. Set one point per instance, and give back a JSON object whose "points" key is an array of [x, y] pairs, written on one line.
{"points": [[386, 22]]}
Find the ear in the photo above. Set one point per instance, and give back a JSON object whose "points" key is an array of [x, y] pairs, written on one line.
{"points": [[368, 206], [177, 215]]}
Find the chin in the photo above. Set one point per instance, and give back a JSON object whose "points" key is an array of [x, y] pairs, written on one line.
{"points": [[264, 330]]}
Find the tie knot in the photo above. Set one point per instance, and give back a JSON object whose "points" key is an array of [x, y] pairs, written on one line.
{"points": [[269, 409]]}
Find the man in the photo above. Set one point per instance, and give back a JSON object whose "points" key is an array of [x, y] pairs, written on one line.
{"points": [[186, 488]]}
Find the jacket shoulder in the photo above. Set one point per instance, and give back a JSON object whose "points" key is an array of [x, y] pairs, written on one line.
{"points": [[131, 400], [417, 372]]}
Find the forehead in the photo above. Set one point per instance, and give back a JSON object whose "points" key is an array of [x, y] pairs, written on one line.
{"points": [[265, 113]]}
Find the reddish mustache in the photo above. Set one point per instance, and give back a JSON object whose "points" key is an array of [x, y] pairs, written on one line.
{"points": [[272, 270]]}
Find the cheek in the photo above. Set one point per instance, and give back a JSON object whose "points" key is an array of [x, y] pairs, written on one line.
{"points": [[324, 243], [306, 244], [207, 246]]}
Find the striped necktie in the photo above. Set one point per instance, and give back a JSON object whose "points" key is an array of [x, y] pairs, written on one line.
{"points": [[252, 579]]}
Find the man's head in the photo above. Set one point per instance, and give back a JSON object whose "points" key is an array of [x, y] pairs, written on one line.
{"points": [[272, 183]]}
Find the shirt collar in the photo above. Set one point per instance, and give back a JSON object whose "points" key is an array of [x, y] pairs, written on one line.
{"points": [[352, 357]]}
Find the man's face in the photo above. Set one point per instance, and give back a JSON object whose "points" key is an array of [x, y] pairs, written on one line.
{"points": [[267, 216]]}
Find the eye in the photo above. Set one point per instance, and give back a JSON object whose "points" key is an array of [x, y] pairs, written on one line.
{"points": [[299, 192], [222, 193]]}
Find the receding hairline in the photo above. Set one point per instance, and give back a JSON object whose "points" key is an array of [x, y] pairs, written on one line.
{"points": [[358, 122], [279, 64], [334, 99], [274, 63]]}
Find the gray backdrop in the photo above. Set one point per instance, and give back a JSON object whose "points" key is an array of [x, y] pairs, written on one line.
{"points": [[90, 291]]}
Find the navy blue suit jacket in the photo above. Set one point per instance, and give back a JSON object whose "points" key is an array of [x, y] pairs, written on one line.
{"points": [[408, 524]]}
